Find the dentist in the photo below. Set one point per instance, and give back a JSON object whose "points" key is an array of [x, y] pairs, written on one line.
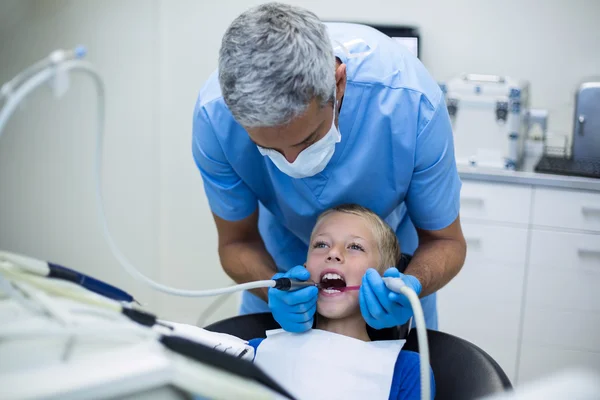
{"points": [[301, 116]]}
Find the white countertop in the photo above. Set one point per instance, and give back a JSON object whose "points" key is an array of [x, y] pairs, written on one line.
{"points": [[527, 176]]}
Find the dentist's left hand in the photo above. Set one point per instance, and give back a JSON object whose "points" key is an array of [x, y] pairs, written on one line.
{"points": [[382, 308], [294, 310]]}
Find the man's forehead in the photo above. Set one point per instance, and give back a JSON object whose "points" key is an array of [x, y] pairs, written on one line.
{"points": [[298, 130]]}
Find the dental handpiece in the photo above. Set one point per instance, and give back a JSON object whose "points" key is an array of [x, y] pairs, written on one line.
{"points": [[288, 284]]}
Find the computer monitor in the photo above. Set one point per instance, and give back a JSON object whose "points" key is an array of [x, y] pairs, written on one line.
{"points": [[406, 35]]}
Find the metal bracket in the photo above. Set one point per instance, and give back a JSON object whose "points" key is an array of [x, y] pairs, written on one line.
{"points": [[580, 122], [452, 107], [537, 116], [510, 165], [501, 111], [515, 93], [515, 106]]}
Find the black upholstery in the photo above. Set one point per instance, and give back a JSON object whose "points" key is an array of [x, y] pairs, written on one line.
{"points": [[461, 369], [255, 326], [246, 327]]}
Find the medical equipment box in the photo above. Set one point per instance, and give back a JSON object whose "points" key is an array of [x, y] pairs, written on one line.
{"points": [[489, 119]]}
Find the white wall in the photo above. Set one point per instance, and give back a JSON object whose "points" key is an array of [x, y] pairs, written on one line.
{"points": [[46, 154], [534, 40], [154, 56]]}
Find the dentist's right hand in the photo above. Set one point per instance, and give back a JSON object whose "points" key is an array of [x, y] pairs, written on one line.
{"points": [[294, 310]]}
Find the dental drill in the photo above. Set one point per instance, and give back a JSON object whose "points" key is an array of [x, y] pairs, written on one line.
{"points": [[54, 69]]}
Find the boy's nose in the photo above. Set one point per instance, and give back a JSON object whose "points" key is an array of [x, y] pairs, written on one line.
{"points": [[334, 255]]}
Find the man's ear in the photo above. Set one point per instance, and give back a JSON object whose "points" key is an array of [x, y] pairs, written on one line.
{"points": [[340, 82]]}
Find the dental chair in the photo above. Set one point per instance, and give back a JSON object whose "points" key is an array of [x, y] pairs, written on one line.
{"points": [[461, 369]]}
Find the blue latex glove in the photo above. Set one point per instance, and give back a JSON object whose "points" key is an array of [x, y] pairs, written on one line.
{"points": [[382, 308], [294, 310]]}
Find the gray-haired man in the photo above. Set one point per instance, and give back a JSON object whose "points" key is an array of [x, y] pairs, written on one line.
{"points": [[302, 116]]}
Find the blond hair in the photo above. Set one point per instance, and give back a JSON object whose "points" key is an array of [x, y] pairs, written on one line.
{"points": [[389, 248]]}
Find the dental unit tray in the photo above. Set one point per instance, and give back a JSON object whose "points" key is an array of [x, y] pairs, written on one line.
{"points": [[84, 345]]}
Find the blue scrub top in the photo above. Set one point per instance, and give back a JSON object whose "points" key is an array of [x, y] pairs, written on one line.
{"points": [[396, 157]]}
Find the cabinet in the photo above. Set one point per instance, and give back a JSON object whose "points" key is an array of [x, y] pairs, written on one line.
{"points": [[567, 209], [482, 304], [529, 292], [561, 321], [492, 202]]}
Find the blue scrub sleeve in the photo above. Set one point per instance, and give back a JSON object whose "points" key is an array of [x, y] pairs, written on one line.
{"points": [[228, 196], [406, 382], [433, 197]]}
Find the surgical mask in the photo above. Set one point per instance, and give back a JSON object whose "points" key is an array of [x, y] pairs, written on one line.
{"points": [[311, 160]]}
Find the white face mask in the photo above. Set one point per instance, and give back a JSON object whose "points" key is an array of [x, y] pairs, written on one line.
{"points": [[311, 160]]}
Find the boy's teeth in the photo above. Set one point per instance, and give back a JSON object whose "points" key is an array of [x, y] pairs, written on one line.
{"points": [[331, 275], [331, 291]]}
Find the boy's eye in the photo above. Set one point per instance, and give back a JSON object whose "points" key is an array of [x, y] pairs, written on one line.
{"points": [[319, 245], [355, 246]]}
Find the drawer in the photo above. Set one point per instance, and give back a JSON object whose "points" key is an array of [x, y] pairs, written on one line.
{"points": [[567, 265], [481, 322], [497, 336], [486, 280], [495, 202], [482, 304], [539, 361], [572, 209], [489, 244], [572, 329]]}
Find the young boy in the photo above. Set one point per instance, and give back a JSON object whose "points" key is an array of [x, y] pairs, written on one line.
{"points": [[337, 359]]}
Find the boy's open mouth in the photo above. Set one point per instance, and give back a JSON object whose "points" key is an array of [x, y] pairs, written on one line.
{"points": [[331, 282]]}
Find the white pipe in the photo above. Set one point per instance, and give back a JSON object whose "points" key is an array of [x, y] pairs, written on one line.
{"points": [[397, 285], [15, 97]]}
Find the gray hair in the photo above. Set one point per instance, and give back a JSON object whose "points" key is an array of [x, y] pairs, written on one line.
{"points": [[274, 59]]}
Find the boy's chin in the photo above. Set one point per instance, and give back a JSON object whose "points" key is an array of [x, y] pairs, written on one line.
{"points": [[337, 312]]}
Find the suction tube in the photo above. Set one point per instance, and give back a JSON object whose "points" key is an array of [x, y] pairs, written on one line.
{"points": [[397, 285]]}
